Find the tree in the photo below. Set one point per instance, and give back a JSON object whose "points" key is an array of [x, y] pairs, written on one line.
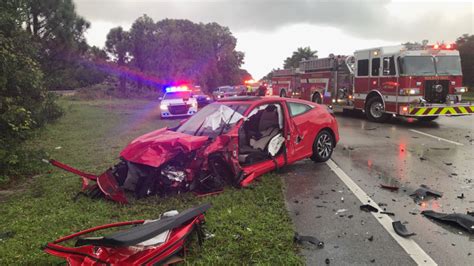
{"points": [[298, 55], [143, 38], [117, 46], [465, 45], [269, 75], [24, 103], [59, 32]]}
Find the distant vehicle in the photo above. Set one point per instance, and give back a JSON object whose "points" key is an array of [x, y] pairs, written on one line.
{"points": [[201, 98], [178, 101], [228, 91], [420, 81]]}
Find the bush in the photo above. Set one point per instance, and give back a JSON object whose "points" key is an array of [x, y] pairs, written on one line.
{"points": [[24, 103], [110, 89]]}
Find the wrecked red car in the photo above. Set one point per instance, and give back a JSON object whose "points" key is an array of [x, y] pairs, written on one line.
{"points": [[142, 242], [231, 141]]}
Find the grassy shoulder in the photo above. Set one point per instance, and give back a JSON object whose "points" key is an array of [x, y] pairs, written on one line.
{"points": [[249, 225], [468, 96]]}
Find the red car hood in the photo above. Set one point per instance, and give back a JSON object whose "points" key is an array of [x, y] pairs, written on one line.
{"points": [[160, 146]]}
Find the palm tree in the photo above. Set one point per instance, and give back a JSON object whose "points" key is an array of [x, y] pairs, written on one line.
{"points": [[298, 55]]}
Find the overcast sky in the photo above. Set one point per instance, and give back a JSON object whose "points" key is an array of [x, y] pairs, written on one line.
{"points": [[268, 31]]}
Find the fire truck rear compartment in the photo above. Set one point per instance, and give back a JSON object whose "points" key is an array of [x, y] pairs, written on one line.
{"points": [[436, 91]]}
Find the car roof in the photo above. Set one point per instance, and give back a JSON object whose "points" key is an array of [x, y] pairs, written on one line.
{"points": [[260, 100]]}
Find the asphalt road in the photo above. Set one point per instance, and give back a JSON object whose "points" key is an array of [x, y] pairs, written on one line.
{"points": [[402, 152]]}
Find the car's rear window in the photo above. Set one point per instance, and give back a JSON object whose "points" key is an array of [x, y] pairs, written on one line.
{"points": [[298, 108]]}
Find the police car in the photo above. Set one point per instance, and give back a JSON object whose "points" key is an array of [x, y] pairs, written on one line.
{"points": [[178, 101]]}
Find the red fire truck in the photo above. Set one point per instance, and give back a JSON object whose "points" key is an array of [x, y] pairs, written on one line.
{"points": [[415, 81]]}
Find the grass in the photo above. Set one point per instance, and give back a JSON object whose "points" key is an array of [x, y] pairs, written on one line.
{"points": [[468, 96], [250, 226]]}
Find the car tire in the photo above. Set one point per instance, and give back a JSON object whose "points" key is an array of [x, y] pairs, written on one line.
{"points": [[375, 110], [323, 146], [427, 118]]}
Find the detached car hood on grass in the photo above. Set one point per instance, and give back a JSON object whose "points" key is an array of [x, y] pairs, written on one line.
{"points": [[160, 146]]}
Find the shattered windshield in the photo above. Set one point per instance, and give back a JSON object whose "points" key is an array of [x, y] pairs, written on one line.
{"points": [[448, 65], [417, 65], [210, 120]]}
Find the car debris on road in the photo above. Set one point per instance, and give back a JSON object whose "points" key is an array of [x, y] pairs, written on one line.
{"points": [[464, 221], [423, 192], [401, 229], [368, 208]]}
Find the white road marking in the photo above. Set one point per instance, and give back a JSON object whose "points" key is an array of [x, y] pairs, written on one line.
{"points": [[409, 245], [435, 137]]}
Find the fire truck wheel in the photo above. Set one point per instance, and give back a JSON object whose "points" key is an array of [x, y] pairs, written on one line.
{"points": [[427, 118], [317, 98], [283, 93], [323, 146], [374, 110]]}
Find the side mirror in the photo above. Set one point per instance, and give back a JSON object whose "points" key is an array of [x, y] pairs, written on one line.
{"points": [[160, 98]]}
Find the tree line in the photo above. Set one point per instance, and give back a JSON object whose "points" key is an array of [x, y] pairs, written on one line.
{"points": [[43, 48], [175, 50]]}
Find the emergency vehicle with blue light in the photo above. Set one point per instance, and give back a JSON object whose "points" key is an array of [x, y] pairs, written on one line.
{"points": [[178, 101]]}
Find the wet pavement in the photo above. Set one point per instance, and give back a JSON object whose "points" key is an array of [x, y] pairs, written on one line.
{"points": [[403, 153]]}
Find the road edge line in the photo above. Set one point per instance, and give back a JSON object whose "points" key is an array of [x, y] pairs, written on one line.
{"points": [[410, 246], [435, 137]]}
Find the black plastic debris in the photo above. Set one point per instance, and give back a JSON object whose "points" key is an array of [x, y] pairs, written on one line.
{"points": [[464, 221], [389, 187], [425, 191], [461, 196], [368, 208], [401, 229], [299, 239], [327, 261], [422, 158]]}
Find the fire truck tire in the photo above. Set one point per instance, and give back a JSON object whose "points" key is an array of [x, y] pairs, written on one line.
{"points": [[323, 146], [316, 98], [427, 118], [374, 110], [283, 93]]}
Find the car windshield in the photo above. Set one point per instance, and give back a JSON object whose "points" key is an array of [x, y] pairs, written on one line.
{"points": [[417, 65], [448, 65], [210, 120], [177, 95]]}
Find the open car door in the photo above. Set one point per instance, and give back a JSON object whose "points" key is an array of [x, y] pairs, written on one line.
{"points": [[262, 143]]}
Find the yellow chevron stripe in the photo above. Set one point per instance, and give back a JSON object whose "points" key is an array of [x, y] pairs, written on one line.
{"points": [[433, 110], [463, 110], [420, 112], [444, 111], [472, 108]]}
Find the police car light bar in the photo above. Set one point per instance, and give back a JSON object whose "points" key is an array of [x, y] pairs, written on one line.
{"points": [[177, 88]]}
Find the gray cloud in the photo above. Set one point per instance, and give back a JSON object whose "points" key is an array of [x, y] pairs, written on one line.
{"points": [[365, 19]]}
